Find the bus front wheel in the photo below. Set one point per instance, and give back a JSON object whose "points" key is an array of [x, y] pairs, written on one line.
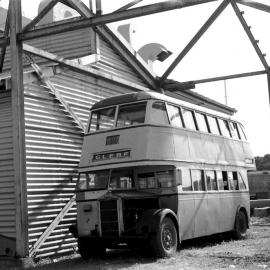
{"points": [[90, 249], [164, 242], [240, 230]]}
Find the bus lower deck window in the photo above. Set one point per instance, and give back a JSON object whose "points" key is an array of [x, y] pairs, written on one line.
{"points": [[198, 180]]}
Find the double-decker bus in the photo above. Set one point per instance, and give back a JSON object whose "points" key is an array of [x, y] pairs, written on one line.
{"points": [[155, 171]]}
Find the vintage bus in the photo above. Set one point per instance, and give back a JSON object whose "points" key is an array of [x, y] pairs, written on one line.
{"points": [[156, 171]]}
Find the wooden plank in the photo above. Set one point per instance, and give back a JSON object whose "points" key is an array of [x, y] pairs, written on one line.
{"points": [[109, 18], [57, 94], [18, 130], [253, 41], [194, 40], [52, 226], [41, 15]]}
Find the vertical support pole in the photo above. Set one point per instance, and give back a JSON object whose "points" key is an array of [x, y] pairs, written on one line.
{"points": [[98, 7], [17, 96], [268, 83]]}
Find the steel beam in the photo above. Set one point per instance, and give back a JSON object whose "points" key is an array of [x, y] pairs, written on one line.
{"points": [[129, 5], [255, 5], [41, 15], [108, 18], [19, 153], [194, 40], [229, 77], [253, 41]]}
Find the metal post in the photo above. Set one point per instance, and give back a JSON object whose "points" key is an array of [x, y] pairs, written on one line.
{"points": [[18, 130], [98, 7]]}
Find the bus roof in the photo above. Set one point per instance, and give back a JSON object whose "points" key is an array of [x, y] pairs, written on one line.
{"points": [[126, 98], [140, 96]]}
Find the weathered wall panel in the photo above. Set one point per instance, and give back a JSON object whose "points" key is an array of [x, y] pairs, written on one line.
{"points": [[53, 149], [7, 197]]}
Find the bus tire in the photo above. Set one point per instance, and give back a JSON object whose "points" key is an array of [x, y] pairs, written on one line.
{"points": [[241, 226], [164, 241], [90, 249]]}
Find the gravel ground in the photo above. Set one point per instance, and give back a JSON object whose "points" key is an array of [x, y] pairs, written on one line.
{"points": [[206, 253]]}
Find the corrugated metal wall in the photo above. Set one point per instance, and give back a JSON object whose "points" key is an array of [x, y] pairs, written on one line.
{"points": [[7, 197], [53, 148], [76, 44]]}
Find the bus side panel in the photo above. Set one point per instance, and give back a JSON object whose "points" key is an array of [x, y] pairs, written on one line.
{"points": [[214, 212], [201, 214], [186, 215], [229, 204], [161, 145]]}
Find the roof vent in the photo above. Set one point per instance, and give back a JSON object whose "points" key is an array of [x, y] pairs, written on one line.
{"points": [[152, 52], [127, 31]]}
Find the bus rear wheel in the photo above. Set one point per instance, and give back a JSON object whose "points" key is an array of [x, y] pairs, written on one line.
{"points": [[241, 226], [90, 249], [164, 242]]}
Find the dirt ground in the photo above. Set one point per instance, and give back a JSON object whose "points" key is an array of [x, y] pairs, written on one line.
{"points": [[206, 253]]}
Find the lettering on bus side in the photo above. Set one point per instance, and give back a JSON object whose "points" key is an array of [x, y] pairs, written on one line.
{"points": [[111, 155]]}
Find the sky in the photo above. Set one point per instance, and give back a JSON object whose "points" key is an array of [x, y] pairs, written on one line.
{"points": [[223, 50]]}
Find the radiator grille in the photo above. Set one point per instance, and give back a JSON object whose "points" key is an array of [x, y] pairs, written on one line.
{"points": [[109, 218]]}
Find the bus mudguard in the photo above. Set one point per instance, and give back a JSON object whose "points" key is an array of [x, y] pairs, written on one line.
{"points": [[151, 219], [243, 208]]}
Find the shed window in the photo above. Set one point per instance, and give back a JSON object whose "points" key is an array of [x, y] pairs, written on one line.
{"points": [[198, 180], [102, 119], [159, 113], [131, 114], [189, 119], [174, 116]]}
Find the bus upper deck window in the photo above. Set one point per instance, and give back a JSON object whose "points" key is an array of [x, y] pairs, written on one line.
{"points": [[224, 127], [241, 132], [102, 119], [159, 113], [189, 119], [213, 125], [234, 130], [201, 121], [131, 114], [174, 116]]}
